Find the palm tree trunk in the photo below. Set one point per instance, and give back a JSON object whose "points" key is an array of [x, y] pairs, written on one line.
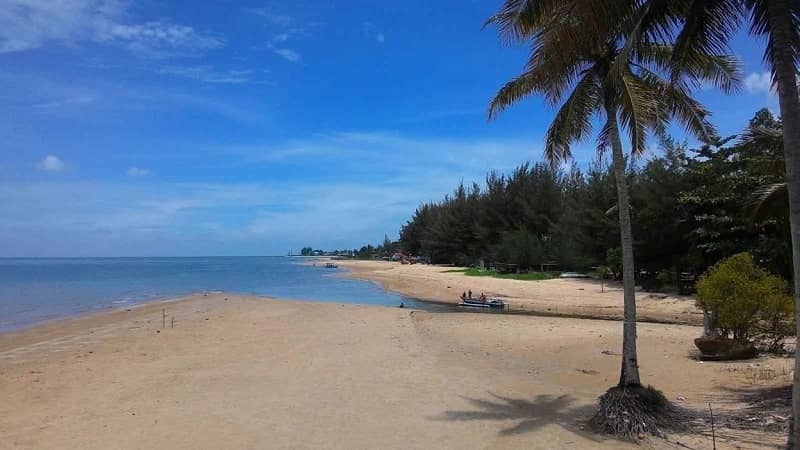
{"points": [[629, 376], [781, 28]]}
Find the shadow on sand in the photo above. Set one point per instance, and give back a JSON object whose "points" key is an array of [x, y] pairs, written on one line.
{"points": [[531, 415]]}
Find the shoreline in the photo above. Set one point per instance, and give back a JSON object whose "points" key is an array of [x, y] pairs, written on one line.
{"points": [[382, 275], [434, 284]]}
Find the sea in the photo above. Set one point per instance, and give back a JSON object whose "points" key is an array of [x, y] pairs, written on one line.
{"points": [[34, 290]]}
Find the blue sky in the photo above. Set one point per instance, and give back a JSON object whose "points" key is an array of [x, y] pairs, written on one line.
{"points": [[155, 128]]}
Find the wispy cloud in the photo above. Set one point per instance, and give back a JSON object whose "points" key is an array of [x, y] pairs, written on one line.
{"points": [[372, 32], [114, 218], [208, 74], [31, 94], [51, 163], [138, 172], [270, 16], [284, 28], [430, 116], [157, 37], [392, 174], [291, 33], [392, 155], [287, 54], [30, 24]]}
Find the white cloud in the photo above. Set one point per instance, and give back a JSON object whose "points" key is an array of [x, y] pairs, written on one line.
{"points": [[30, 24], [51, 163], [156, 36], [287, 54], [759, 83], [138, 172]]}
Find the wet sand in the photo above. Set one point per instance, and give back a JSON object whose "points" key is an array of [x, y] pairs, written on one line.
{"points": [[580, 298]]}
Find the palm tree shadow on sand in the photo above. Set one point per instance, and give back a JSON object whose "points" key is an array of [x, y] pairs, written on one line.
{"points": [[532, 415]]}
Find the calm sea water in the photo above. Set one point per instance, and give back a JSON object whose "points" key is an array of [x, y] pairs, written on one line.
{"points": [[38, 289]]}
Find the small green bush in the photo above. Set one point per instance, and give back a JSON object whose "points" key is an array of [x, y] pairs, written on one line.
{"points": [[746, 302]]}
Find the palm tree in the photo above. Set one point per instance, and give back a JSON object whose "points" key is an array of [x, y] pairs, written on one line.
{"points": [[586, 79], [708, 26], [704, 27]]}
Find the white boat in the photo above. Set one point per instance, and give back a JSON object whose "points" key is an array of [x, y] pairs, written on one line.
{"points": [[474, 303]]}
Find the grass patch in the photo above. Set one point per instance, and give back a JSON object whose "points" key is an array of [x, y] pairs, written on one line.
{"points": [[531, 276]]}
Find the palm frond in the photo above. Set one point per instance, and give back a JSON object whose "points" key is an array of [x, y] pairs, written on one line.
{"points": [[767, 200], [676, 103], [518, 88], [767, 138], [518, 20], [547, 58], [723, 71], [639, 25], [761, 12], [572, 122], [638, 109], [604, 139], [707, 29]]}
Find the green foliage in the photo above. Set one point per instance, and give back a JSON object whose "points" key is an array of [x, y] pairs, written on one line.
{"points": [[522, 248], [525, 276], [718, 182], [689, 210], [745, 300]]}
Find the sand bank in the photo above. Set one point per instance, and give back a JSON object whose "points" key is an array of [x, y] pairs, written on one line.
{"points": [[559, 297], [249, 372]]}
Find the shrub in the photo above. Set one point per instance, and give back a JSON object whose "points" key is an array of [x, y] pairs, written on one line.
{"points": [[746, 302]]}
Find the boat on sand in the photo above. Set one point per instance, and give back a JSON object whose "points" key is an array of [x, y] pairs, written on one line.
{"points": [[475, 303]]}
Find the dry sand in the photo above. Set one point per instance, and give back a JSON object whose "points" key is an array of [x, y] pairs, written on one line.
{"points": [[559, 297], [248, 372]]}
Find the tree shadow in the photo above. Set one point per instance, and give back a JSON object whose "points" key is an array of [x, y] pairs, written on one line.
{"points": [[531, 415], [765, 410]]}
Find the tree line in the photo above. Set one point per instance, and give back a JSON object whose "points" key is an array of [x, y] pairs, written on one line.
{"points": [[690, 208]]}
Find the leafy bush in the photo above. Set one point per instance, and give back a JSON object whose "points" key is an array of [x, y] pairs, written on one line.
{"points": [[746, 302]]}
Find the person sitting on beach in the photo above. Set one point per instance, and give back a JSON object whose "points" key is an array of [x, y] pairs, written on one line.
{"points": [[463, 296], [483, 297], [469, 294]]}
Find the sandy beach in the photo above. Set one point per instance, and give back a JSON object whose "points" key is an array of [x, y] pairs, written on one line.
{"points": [[251, 372], [557, 297]]}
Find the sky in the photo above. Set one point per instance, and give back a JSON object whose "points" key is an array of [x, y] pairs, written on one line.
{"points": [[172, 128]]}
